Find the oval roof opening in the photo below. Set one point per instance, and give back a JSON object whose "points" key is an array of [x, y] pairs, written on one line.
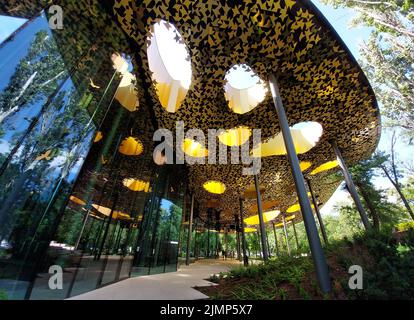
{"points": [[243, 90], [170, 64], [305, 136]]}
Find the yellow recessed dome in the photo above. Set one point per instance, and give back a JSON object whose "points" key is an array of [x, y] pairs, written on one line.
{"points": [[131, 147], [267, 216], [77, 200], [216, 187], [98, 136], [266, 204], [248, 230], [235, 137], [244, 90], [136, 185], [305, 135], [304, 165], [296, 207], [107, 212], [193, 148], [159, 158], [126, 94], [104, 210], [119, 63], [287, 219], [169, 61], [326, 166]]}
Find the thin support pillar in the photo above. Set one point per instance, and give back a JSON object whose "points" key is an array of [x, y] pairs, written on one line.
{"points": [[225, 243], [319, 260], [276, 242], [208, 241], [268, 246], [196, 247], [239, 256], [286, 233], [190, 231], [261, 221], [318, 213], [351, 186], [244, 244], [85, 220], [296, 235]]}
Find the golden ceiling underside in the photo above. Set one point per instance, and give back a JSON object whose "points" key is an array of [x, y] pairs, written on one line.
{"points": [[319, 81]]}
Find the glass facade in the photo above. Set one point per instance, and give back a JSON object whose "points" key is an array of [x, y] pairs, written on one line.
{"points": [[79, 188]]}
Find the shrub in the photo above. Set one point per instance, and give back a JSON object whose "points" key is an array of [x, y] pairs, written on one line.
{"points": [[387, 263]]}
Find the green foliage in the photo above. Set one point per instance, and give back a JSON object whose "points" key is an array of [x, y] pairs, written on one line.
{"points": [[405, 226], [266, 283], [388, 267], [3, 295], [391, 273], [387, 57]]}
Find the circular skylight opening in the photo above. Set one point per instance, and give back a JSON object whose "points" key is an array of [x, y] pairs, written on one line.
{"points": [[170, 64], [311, 130], [235, 137], [244, 90], [305, 136]]}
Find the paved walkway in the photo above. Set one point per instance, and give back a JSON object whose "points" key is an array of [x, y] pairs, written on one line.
{"points": [[166, 286]]}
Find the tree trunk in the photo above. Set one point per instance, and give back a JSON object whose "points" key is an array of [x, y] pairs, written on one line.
{"points": [[369, 204], [403, 198]]}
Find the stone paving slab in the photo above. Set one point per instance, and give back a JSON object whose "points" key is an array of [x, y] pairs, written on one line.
{"points": [[166, 286]]}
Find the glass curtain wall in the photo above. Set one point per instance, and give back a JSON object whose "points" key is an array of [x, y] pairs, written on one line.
{"points": [[79, 190], [158, 241]]}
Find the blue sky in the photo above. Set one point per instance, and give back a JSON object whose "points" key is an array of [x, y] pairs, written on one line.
{"points": [[340, 19], [8, 25]]}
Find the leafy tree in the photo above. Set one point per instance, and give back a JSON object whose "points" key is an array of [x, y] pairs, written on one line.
{"points": [[35, 77], [388, 56], [362, 174], [391, 169], [408, 190]]}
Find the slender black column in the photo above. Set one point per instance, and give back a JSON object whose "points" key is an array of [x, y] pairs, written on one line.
{"points": [[244, 245], [276, 243], [190, 229], [236, 218], [268, 246], [318, 213], [208, 242], [85, 220], [258, 241], [195, 243], [217, 244], [225, 243], [296, 235], [351, 186], [286, 233], [261, 221], [321, 266], [115, 201]]}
